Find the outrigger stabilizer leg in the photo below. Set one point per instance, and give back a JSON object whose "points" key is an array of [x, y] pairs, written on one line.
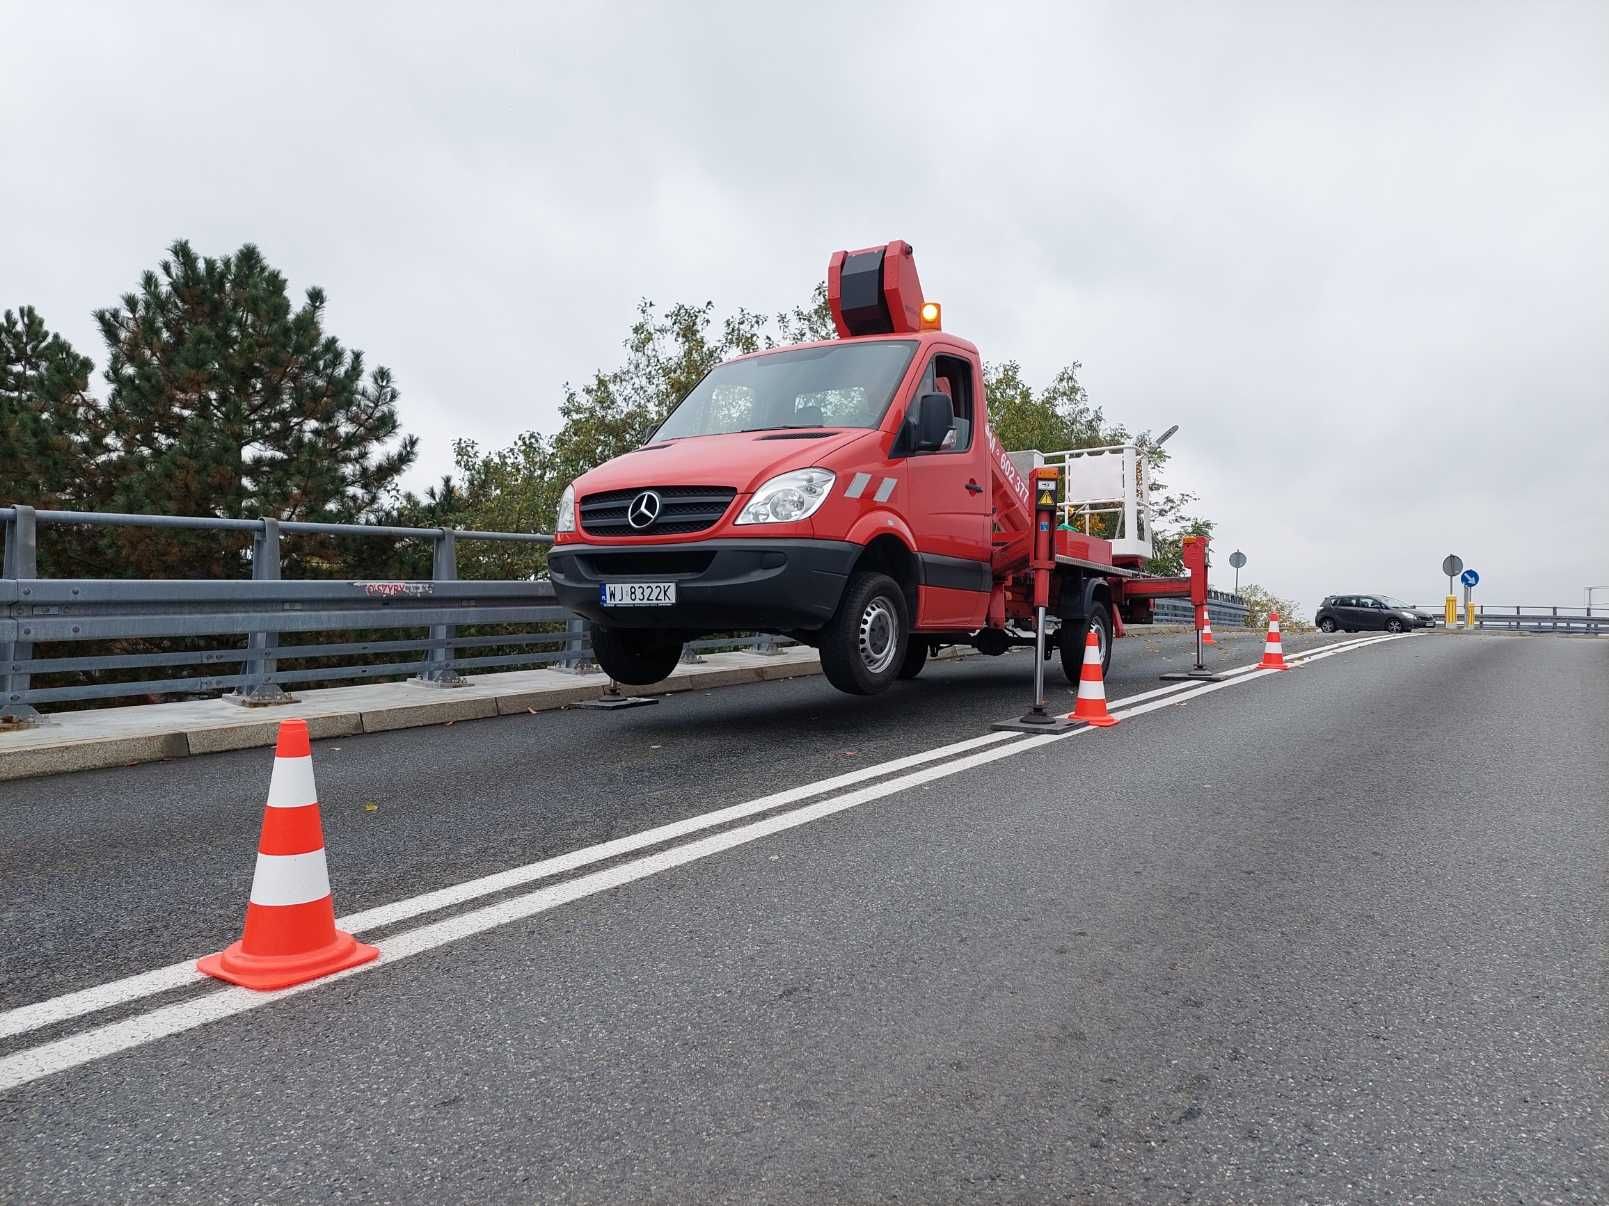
{"points": [[1045, 484], [1196, 673]]}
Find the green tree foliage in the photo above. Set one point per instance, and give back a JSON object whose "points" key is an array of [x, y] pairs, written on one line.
{"points": [[1167, 547], [226, 400], [1260, 602], [1052, 419], [51, 433]]}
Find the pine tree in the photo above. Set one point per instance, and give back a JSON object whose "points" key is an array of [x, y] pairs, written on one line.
{"points": [[225, 400], [50, 429]]}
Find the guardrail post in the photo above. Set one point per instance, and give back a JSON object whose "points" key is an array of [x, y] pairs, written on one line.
{"points": [[438, 671], [21, 561], [573, 658], [260, 690]]}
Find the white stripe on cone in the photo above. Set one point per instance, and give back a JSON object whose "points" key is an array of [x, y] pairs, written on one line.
{"points": [[292, 783], [290, 879], [1091, 688]]}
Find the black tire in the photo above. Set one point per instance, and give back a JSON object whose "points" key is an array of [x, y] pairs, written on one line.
{"points": [[1071, 641], [1393, 625], [864, 644], [1326, 625], [636, 656], [916, 651]]}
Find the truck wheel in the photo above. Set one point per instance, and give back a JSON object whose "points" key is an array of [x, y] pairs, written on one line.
{"points": [[636, 656], [915, 657], [1071, 640], [863, 645]]}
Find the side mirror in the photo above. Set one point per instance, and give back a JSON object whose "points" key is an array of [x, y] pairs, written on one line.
{"points": [[934, 420]]}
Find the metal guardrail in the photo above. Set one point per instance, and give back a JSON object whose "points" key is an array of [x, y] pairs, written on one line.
{"points": [[1523, 617], [1225, 610], [36, 610]]}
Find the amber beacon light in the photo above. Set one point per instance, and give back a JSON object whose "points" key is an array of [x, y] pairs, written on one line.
{"points": [[932, 314]]}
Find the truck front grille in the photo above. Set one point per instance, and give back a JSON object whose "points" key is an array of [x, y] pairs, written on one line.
{"points": [[682, 510]]}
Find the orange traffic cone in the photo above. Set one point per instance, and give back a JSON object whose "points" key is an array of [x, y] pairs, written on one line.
{"points": [[1273, 655], [290, 932], [1206, 628], [1091, 705]]}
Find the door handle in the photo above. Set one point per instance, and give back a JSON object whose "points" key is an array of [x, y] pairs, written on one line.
{"points": [[974, 488]]}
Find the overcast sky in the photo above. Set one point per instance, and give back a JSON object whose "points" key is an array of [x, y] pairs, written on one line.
{"points": [[1358, 252]]}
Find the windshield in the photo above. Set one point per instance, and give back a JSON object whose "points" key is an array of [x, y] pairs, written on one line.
{"points": [[1397, 603], [840, 385]]}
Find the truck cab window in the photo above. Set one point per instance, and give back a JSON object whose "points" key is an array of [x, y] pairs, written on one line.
{"points": [[952, 377]]}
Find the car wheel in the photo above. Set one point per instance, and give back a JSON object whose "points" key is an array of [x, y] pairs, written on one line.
{"points": [[1326, 625], [863, 646], [1393, 625], [1071, 642]]}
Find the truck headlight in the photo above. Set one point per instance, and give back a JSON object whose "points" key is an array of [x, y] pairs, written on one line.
{"points": [[789, 498], [566, 519]]}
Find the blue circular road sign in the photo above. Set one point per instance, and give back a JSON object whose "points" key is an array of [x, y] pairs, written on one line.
{"points": [[1469, 578]]}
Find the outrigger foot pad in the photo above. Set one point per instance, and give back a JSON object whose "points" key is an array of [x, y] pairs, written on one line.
{"points": [[1039, 722], [1193, 676], [613, 698]]}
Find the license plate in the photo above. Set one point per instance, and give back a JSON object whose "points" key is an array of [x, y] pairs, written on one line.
{"points": [[637, 594]]}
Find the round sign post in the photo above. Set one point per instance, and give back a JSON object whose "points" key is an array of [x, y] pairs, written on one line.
{"points": [[1237, 559], [1452, 565]]}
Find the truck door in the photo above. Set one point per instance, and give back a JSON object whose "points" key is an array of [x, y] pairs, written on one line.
{"points": [[949, 500]]}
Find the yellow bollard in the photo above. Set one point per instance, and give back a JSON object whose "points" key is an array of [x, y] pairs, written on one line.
{"points": [[1469, 614], [1452, 611]]}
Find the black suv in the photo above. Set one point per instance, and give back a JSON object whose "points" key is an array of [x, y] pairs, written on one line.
{"points": [[1363, 612]]}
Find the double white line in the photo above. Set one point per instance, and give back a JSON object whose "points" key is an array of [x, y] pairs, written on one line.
{"points": [[55, 1056]]}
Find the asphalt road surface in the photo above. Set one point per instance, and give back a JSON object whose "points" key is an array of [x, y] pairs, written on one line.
{"points": [[1331, 935]]}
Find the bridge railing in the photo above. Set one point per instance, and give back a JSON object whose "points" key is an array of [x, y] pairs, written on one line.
{"points": [[535, 631], [1225, 610], [1539, 617]]}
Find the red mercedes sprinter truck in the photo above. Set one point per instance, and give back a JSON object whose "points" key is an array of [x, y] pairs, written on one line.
{"points": [[851, 495]]}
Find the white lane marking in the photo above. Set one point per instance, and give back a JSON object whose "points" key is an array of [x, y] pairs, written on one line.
{"points": [[857, 485], [24, 1018], [104, 996], [884, 490], [291, 785], [48, 1058], [290, 879]]}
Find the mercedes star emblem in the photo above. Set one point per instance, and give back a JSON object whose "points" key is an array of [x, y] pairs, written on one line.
{"points": [[644, 510]]}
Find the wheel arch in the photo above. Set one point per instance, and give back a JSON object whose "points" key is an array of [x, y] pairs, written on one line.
{"points": [[888, 554], [1080, 592]]}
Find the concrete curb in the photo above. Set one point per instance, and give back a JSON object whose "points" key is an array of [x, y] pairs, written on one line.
{"points": [[108, 737]]}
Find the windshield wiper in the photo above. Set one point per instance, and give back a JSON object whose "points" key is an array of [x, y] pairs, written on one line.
{"points": [[782, 427]]}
